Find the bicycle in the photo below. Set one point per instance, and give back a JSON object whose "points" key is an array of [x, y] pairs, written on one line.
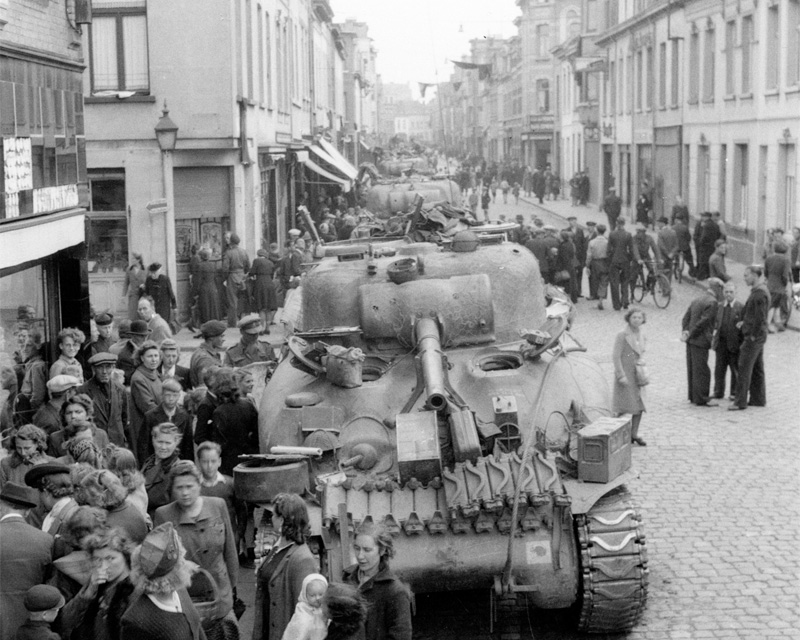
{"points": [[654, 282]]}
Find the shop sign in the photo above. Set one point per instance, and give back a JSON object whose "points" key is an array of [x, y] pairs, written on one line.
{"points": [[55, 198], [17, 164]]}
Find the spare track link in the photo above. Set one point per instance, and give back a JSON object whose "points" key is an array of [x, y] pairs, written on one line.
{"points": [[613, 564]]}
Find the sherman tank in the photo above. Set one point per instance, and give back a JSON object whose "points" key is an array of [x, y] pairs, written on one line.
{"points": [[435, 387]]}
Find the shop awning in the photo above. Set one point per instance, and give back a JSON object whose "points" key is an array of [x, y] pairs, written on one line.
{"points": [[345, 184], [341, 162], [37, 237], [331, 164], [363, 144]]}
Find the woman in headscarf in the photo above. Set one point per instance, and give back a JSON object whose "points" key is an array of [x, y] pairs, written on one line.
{"points": [[308, 621], [161, 575]]}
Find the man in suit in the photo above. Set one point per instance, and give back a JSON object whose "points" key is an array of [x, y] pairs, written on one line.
{"points": [[26, 554], [726, 341], [620, 256], [612, 205], [698, 329], [706, 234], [110, 402], [169, 367], [753, 326], [581, 244]]}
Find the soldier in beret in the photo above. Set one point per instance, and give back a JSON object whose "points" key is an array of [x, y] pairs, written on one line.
{"points": [[110, 402], [209, 353], [26, 554], [248, 349]]}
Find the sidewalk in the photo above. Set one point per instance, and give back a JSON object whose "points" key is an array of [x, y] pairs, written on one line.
{"points": [[561, 209]]}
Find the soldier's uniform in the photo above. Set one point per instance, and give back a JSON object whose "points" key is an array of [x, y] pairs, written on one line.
{"points": [[242, 354], [205, 355]]}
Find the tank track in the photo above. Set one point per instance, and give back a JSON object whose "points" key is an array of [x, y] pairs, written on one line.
{"points": [[613, 563]]}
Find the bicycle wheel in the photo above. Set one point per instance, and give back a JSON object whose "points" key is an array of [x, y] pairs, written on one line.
{"points": [[662, 291], [639, 287]]}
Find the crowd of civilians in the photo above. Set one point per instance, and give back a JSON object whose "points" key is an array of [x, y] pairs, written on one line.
{"points": [[117, 511]]}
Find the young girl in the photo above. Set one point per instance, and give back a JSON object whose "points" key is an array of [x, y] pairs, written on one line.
{"points": [[308, 621]]}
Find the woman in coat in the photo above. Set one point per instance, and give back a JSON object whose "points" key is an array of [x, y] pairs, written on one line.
{"points": [[162, 608], [166, 438], [628, 395], [264, 292], [205, 530], [96, 611], [234, 421], [204, 286], [145, 395], [388, 599], [279, 579], [28, 446], [159, 287], [77, 416]]}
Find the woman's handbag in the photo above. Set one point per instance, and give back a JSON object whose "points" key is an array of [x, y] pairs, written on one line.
{"points": [[642, 374]]}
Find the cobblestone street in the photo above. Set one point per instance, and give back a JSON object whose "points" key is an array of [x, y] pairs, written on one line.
{"points": [[718, 492]]}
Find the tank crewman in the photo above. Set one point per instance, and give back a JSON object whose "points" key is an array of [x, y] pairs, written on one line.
{"points": [[208, 354], [248, 349], [110, 402]]}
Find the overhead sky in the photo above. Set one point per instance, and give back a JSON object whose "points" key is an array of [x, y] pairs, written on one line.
{"points": [[414, 38]]}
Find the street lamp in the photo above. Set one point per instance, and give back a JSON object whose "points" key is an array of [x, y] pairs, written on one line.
{"points": [[167, 137]]}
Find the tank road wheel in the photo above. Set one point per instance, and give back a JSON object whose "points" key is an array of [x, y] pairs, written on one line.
{"points": [[614, 570]]}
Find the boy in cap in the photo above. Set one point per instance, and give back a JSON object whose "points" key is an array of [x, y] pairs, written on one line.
{"points": [[48, 417], [248, 349], [209, 353], [43, 603], [26, 554], [110, 403]]}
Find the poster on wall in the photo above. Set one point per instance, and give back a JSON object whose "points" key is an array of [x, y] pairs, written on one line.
{"points": [[211, 237], [17, 164], [184, 238]]}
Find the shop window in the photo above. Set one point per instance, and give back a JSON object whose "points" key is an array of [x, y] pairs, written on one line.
{"points": [[107, 240], [118, 46], [22, 314]]}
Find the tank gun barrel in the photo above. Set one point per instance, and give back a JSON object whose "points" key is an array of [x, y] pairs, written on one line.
{"points": [[430, 355]]}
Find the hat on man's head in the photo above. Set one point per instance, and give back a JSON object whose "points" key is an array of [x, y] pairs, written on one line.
{"points": [[663, 220], [139, 328], [59, 384], [103, 319], [572, 217], [168, 343], [520, 217], [640, 227], [160, 551], [39, 471], [124, 328], [250, 324], [705, 214], [154, 267], [19, 495], [294, 232], [212, 328], [104, 357], [43, 597], [591, 223]]}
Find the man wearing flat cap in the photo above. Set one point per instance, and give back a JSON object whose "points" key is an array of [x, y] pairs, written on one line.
{"points": [[26, 554], [209, 353], [105, 324], [110, 403], [48, 417], [248, 349]]}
